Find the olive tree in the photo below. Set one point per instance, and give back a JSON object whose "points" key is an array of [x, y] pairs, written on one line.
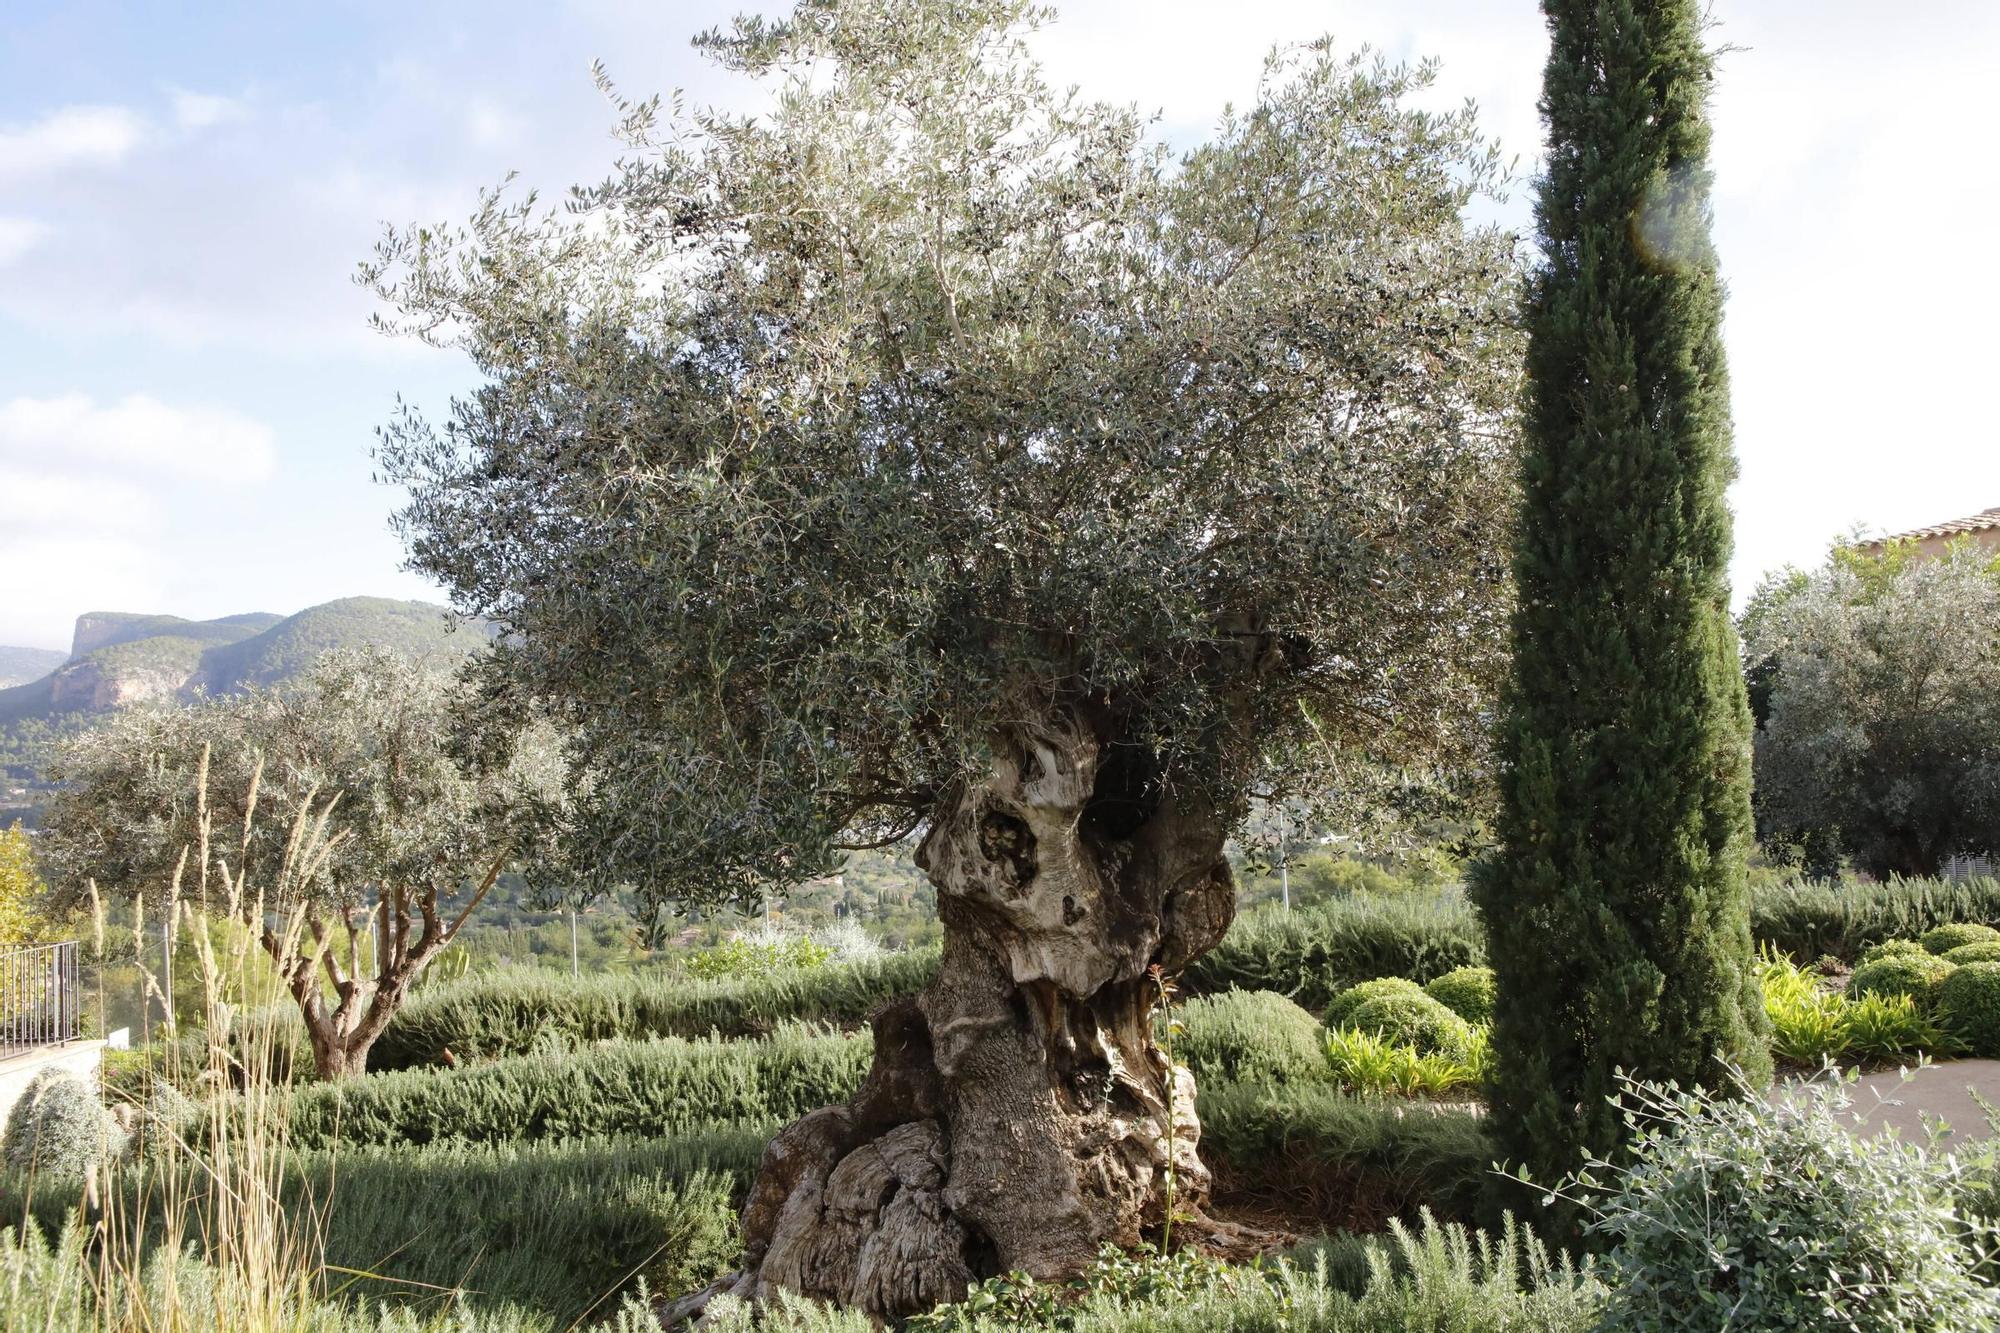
{"points": [[340, 820], [1881, 733], [936, 455]]}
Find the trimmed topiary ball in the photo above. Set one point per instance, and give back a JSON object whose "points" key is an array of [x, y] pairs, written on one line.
{"points": [[1250, 1036], [1416, 1021], [1913, 974], [1944, 939], [1984, 951], [1466, 991], [60, 1128], [1969, 1005], [1345, 1003], [1888, 949]]}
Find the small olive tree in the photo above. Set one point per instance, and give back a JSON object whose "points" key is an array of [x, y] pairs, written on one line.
{"points": [[936, 456], [1880, 684], [363, 752]]}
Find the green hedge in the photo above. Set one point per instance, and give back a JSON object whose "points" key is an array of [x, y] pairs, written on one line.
{"points": [[519, 1011], [655, 1087], [1358, 1161], [1809, 918], [554, 1227], [547, 1227], [1313, 953]]}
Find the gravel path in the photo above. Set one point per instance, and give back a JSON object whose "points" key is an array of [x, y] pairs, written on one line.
{"points": [[1944, 1092]]}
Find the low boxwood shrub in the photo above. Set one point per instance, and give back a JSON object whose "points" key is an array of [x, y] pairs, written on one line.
{"points": [[1890, 949], [1341, 1008], [1943, 939], [1252, 1035], [642, 1087], [1914, 975], [1466, 991], [1312, 953], [1979, 951], [1969, 1007], [1737, 1213], [1416, 1021], [521, 1010]]}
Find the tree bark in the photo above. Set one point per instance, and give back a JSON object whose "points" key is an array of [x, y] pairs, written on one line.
{"points": [[363, 1006], [1019, 1113]]}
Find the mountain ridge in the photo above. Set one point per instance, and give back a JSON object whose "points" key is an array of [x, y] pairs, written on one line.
{"points": [[130, 659], [124, 659]]}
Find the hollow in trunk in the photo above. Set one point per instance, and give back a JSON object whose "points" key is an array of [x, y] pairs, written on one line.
{"points": [[1019, 1113]]}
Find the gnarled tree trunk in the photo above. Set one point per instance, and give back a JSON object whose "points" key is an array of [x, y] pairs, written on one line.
{"points": [[1019, 1113]]}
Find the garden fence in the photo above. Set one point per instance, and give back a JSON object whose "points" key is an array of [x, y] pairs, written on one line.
{"points": [[39, 997]]}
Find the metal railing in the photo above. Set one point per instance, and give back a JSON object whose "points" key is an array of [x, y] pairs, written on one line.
{"points": [[39, 997]]}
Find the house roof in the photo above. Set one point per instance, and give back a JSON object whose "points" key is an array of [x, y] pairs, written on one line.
{"points": [[1983, 521]]}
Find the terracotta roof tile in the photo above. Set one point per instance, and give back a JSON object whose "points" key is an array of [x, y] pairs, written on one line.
{"points": [[1982, 521]]}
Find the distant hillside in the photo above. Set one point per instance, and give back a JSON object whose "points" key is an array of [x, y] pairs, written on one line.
{"points": [[19, 665], [289, 646], [104, 629], [123, 659]]}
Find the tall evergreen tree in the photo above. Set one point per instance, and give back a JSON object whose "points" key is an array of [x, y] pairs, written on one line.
{"points": [[1617, 906]]}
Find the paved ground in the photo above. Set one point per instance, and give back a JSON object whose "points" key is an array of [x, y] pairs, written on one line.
{"points": [[1942, 1091]]}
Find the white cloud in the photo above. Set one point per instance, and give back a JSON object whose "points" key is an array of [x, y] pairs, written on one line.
{"points": [[491, 126], [198, 111], [212, 444], [35, 501], [68, 137], [75, 572], [18, 236]]}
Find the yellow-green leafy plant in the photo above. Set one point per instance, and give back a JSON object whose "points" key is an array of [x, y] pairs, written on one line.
{"points": [[1892, 1027], [1808, 1021], [741, 956], [1373, 1065], [21, 889]]}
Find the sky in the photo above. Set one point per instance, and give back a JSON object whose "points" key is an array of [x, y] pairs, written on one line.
{"points": [[189, 387]]}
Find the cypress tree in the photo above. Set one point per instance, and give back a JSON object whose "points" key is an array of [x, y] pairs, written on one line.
{"points": [[1617, 904]]}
